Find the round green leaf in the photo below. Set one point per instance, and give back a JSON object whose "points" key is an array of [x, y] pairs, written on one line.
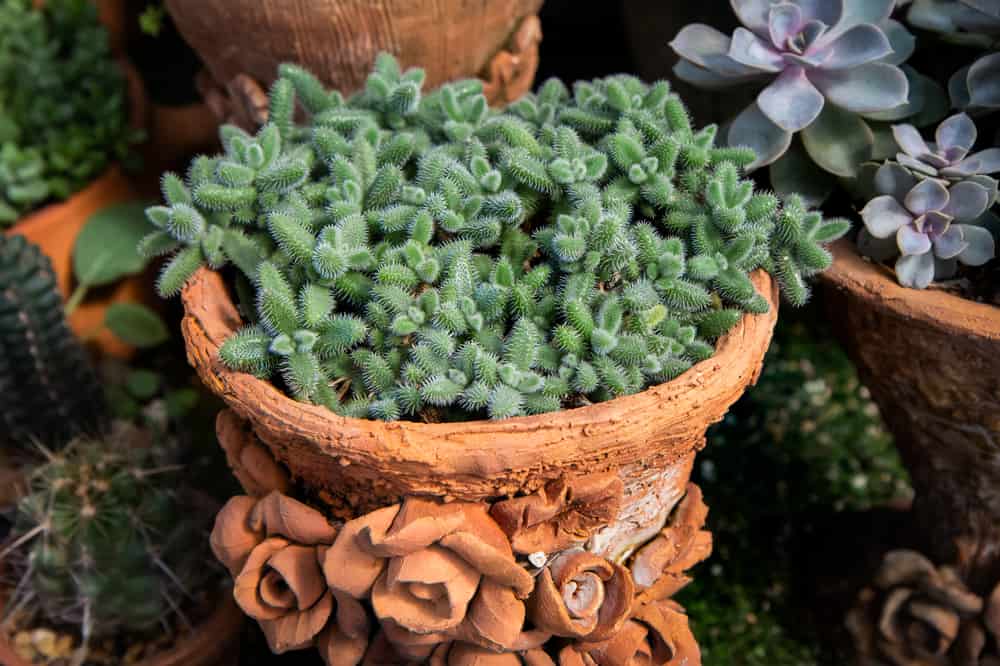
{"points": [[838, 141], [106, 249], [143, 384], [136, 325]]}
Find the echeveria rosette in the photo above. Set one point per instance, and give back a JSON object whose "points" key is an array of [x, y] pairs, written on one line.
{"points": [[948, 157], [923, 216], [812, 52]]}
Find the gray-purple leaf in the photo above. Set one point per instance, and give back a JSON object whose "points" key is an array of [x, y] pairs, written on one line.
{"points": [[951, 243], [872, 87], [754, 130], [927, 195], [982, 247], [956, 132], [915, 270], [967, 201], [911, 241], [894, 180], [791, 102], [884, 216]]}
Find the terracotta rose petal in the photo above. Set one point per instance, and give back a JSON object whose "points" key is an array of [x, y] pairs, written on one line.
{"points": [[670, 638], [581, 595], [348, 566], [991, 616], [419, 523], [252, 464], [679, 546], [338, 649], [483, 544], [410, 645], [426, 591], [246, 588], [563, 513], [299, 573], [297, 630], [495, 618], [234, 535], [464, 654], [286, 517]]}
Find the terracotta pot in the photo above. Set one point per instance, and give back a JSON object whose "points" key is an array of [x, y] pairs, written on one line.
{"points": [[214, 642], [339, 39], [175, 134], [54, 229], [605, 479], [932, 362], [357, 464]]}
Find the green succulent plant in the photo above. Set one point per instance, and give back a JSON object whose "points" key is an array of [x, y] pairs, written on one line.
{"points": [[50, 391], [63, 103], [104, 542], [408, 256]]}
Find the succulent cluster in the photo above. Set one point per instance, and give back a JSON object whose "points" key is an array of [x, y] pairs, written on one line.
{"points": [[63, 103], [422, 256], [104, 541], [50, 391], [930, 199]]}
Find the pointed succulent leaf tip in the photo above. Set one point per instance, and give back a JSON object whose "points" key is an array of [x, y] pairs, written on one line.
{"points": [[411, 255]]}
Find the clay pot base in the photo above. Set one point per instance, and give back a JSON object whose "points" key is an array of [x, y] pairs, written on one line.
{"points": [[578, 572], [214, 642]]}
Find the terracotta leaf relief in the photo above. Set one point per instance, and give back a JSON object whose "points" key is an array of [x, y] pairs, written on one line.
{"points": [[425, 581], [915, 613]]}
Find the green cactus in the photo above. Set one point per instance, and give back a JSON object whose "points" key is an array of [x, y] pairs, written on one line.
{"points": [[104, 542], [427, 257], [50, 391]]}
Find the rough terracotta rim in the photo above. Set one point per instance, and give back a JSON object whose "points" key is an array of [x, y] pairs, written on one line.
{"points": [[484, 448], [211, 643], [875, 283]]}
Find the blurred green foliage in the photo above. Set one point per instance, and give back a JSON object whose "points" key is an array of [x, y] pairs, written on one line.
{"points": [[803, 444], [63, 103]]}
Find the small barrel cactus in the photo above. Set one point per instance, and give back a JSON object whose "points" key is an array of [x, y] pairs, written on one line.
{"points": [[104, 543], [50, 391], [410, 256]]}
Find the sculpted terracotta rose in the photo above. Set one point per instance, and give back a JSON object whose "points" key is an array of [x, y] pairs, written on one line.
{"points": [[252, 464], [581, 595], [432, 570], [273, 548], [918, 614], [656, 635], [658, 567], [562, 513]]}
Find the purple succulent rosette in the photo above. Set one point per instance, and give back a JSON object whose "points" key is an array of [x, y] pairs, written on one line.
{"points": [[948, 157], [809, 53], [924, 218]]}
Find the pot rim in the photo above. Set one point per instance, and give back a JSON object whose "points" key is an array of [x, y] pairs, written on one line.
{"points": [[482, 448], [876, 283]]}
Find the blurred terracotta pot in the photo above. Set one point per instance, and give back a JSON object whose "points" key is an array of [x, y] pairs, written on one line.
{"points": [[338, 39], [213, 642], [932, 362]]}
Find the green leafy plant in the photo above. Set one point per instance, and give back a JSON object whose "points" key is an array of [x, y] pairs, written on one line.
{"points": [[50, 391], [105, 543], [104, 253], [404, 256], [63, 103]]}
